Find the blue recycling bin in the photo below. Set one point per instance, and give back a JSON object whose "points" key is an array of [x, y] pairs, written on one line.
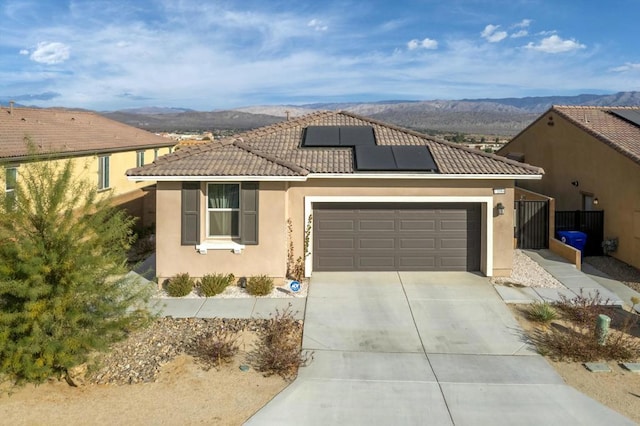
{"points": [[575, 239]]}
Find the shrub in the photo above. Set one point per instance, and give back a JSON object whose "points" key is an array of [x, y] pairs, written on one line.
{"points": [[584, 309], [217, 347], [278, 347], [180, 285], [212, 284], [260, 285], [542, 312]]}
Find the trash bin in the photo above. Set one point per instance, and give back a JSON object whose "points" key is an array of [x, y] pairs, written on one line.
{"points": [[575, 239]]}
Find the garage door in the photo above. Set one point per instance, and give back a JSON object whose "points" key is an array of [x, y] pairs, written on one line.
{"points": [[396, 237]]}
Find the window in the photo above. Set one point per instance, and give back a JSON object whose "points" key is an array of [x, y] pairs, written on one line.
{"points": [[103, 172], [155, 154], [223, 210], [170, 149], [10, 179], [139, 158]]}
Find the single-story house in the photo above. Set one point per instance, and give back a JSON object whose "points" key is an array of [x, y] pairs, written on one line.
{"points": [[101, 149], [591, 158], [373, 197]]}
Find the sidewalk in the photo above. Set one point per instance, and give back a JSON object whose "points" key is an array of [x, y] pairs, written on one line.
{"points": [[588, 281], [246, 307]]}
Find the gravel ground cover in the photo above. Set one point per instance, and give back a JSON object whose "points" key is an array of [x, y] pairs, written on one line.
{"points": [[527, 273], [616, 269], [281, 289]]}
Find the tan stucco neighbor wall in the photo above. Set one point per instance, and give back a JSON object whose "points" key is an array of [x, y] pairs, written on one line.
{"points": [[281, 200], [569, 154]]}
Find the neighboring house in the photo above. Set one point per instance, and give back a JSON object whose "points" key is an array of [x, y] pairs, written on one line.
{"points": [[101, 149], [591, 158], [375, 197]]}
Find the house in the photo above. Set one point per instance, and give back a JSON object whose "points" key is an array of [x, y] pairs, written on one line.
{"points": [[101, 149], [591, 158], [373, 197]]}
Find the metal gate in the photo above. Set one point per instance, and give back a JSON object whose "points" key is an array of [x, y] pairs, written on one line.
{"points": [[532, 224], [590, 222]]}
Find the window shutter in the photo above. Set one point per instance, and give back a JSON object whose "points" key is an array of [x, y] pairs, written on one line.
{"points": [[249, 213], [190, 232]]}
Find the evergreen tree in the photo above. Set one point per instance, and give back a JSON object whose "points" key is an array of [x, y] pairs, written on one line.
{"points": [[63, 289]]}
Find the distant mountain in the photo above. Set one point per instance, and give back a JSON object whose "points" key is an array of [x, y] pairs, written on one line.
{"points": [[504, 117]]}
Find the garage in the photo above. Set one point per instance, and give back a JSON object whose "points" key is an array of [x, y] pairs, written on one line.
{"points": [[396, 236]]}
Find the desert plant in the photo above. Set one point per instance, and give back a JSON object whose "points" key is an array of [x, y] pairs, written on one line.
{"points": [[295, 266], [217, 347], [542, 312], [584, 309], [212, 284], [278, 347], [259, 285], [180, 285]]}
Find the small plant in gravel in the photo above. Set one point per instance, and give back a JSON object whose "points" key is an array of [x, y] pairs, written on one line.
{"points": [[180, 285], [259, 285], [278, 347], [212, 284], [542, 312], [217, 348]]}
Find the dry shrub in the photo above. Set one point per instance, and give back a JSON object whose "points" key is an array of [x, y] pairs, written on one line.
{"points": [[584, 309], [278, 348], [216, 348], [260, 285], [180, 285]]}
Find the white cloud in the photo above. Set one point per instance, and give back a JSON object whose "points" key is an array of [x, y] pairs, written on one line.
{"points": [[50, 53], [555, 44], [521, 33], [492, 35], [427, 43], [627, 67], [317, 25], [522, 24], [24, 52]]}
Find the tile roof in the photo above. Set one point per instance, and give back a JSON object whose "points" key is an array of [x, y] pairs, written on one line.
{"points": [[61, 132], [616, 132], [275, 151]]}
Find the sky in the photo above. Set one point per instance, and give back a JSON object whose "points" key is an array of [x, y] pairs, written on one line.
{"points": [[210, 55]]}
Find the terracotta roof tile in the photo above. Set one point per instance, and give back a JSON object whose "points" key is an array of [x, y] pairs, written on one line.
{"points": [[275, 151], [56, 131]]}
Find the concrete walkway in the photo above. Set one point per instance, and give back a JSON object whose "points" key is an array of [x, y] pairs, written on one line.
{"points": [[575, 282], [422, 348], [246, 307]]}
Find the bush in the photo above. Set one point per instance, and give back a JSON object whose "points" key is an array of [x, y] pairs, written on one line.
{"points": [[584, 309], [218, 347], [260, 285], [278, 347], [212, 284], [180, 285], [542, 312]]}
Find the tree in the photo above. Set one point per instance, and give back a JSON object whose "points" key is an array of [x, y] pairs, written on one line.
{"points": [[63, 289]]}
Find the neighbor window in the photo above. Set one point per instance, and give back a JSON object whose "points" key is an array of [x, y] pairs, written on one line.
{"points": [[103, 172], [223, 209], [10, 179], [155, 154], [139, 158]]}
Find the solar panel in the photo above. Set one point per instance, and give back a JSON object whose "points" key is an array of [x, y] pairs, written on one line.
{"points": [[357, 135], [633, 116], [315, 136], [417, 158], [374, 158]]}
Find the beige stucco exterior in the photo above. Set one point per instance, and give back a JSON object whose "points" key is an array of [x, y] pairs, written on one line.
{"points": [[569, 154], [279, 201]]}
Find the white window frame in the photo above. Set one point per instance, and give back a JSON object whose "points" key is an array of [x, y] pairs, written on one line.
{"points": [[104, 179], [8, 190], [139, 158], [208, 210], [156, 153]]}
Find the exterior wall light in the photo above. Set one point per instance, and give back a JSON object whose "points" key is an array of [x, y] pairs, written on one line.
{"points": [[595, 201], [500, 208]]}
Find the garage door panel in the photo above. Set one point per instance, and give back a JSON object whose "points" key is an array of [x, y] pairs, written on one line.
{"points": [[434, 236]]}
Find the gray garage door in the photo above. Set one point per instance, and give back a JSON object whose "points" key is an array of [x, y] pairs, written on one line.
{"points": [[396, 237]]}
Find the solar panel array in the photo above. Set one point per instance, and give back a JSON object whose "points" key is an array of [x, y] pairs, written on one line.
{"points": [[368, 155], [633, 116]]}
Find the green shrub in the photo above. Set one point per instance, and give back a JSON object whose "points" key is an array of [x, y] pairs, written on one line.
{"points": [[180, 285], [278, 348], [260, 285], [212, 284], [542, 312]]}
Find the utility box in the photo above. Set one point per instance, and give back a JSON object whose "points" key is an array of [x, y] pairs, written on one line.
{"points": [[575, 239]]}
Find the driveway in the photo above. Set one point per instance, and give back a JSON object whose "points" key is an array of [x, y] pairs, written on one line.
{"points": [[436, 348]]}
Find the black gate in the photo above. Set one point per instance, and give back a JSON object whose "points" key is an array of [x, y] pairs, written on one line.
{"points": [[532, 224], [590, 222]]}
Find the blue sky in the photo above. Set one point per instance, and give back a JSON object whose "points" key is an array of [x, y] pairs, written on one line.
{"points": [[208, 55]]}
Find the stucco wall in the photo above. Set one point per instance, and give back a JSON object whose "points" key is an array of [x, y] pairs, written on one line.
{"points": [[569, 154], [282, 200]]}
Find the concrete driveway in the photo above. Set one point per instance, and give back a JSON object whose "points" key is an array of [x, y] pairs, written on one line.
{"points": [[421, 348]]}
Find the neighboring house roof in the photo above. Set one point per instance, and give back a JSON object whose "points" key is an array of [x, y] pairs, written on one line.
{"points": [[276, 150], [622, 135], [59, 132]]}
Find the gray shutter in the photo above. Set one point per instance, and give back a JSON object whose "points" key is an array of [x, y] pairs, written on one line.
{"points": [[249, 213], [190, 232]]}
